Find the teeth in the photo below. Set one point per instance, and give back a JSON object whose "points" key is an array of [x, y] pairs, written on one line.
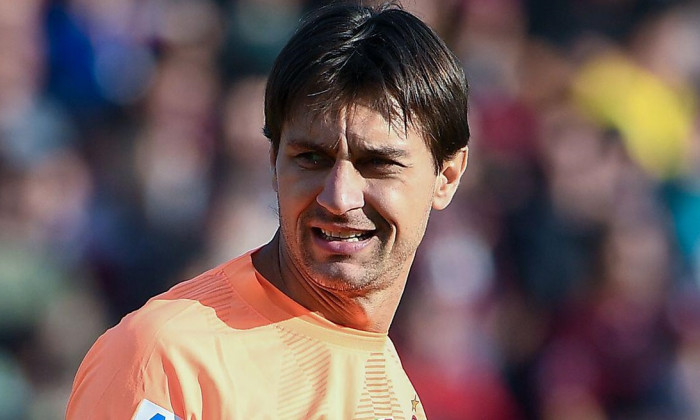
{"points": [[349, 237]]}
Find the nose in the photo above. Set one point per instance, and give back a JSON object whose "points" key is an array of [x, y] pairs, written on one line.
{"points": [[343, 189]]}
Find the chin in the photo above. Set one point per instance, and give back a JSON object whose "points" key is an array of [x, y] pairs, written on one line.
{"points": [[341, 278]]}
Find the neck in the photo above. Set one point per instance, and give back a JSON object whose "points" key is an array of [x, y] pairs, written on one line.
{"points": [[367, 310]]}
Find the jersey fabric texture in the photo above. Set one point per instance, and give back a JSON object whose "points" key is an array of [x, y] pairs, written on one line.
{"points": [[229, 345]]}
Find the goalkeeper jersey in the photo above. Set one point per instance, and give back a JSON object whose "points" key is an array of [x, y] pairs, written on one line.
{"points": [[229, 345]]}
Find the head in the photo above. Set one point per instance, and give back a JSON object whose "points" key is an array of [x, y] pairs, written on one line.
{"points": [[365, 109], [384, 57]]}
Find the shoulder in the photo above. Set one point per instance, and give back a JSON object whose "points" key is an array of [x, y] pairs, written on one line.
{"points": [[152, 351], [197, 304], [187, 305], [204, 306]]}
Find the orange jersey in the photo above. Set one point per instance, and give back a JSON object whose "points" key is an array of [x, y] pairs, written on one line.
{"points": [[229, 345]]}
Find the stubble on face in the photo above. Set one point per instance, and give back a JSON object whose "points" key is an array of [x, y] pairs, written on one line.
{"points": [[396, 236], [379, 269]]}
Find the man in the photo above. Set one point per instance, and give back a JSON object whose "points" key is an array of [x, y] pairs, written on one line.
{"points": [[366, 112]]}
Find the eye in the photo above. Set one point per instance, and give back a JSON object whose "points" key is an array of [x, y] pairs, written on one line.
{"points": [[379, 166], [381, 162], [312, 160]]}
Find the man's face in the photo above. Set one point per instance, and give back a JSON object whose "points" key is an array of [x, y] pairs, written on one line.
{"points": [[354, 196]]}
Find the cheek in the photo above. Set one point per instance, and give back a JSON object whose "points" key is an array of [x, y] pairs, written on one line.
{"points": [[295, 194], [403, 206]]}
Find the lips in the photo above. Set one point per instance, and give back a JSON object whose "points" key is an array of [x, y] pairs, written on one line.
{"points": [[342, 241], [343, 235]]}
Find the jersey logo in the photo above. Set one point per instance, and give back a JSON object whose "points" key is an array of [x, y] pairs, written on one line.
{"points": [[150, 411], [414, 405]]}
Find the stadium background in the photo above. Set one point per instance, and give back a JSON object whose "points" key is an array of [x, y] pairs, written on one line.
{"points": [[562, 283]]}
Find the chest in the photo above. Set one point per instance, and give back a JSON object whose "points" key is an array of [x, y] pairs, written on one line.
{"points": [[286, 376]]}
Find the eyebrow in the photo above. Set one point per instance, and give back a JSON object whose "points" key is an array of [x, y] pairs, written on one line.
{"points": [[385, 151], [365, 150], [300, 143]]}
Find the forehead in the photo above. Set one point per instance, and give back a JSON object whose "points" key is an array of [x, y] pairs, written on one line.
{"points": [[357, 123]]}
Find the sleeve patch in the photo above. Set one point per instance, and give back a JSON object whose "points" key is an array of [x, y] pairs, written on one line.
{"points": [[150, 411]]}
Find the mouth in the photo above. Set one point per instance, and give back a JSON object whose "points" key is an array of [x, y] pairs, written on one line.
{"points": [[347, 235]]}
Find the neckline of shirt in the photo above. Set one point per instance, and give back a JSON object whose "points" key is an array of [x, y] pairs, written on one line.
{"points": [[278, 308]]}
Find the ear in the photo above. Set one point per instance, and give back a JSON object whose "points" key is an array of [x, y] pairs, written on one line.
{"points": [[448, 179], [273, 167]]}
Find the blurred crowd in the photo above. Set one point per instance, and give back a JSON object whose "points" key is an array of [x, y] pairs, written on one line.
{"points": [[562, 283]]}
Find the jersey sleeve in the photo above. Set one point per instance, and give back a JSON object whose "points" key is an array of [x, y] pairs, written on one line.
{"points": [[125, 376]]}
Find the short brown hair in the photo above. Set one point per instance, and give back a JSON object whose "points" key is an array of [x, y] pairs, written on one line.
{"points": [[383, 55]]}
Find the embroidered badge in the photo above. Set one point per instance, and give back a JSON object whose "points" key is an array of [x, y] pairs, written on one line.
{"points": [[150, 411], [414, 405]]}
